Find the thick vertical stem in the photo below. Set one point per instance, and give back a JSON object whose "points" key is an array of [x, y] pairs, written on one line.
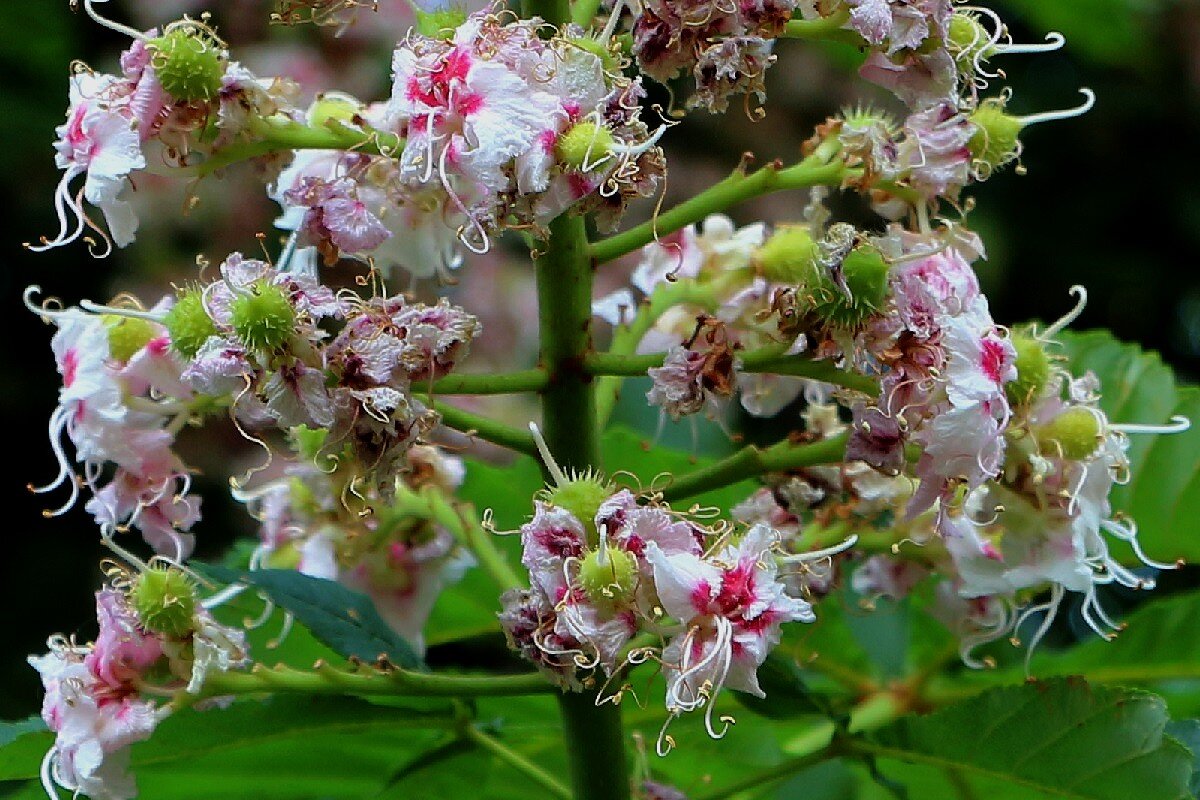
{"points": [[593, 736], [564, 286]]}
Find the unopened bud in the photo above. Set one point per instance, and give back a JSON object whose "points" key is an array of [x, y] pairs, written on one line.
{"points": [[582, 496], [189, 63], [1075, 434], [165, 601], [263, 317], [1033, 369], [188, 323], [127, 335], [585, 143], [608, 577]]}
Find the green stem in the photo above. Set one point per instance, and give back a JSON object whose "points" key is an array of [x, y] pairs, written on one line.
{"points": [[738, 187], [595, 747], [487, 429], [461, 522], [527, 380], [831, 29], [594, 738], [564, 287], [752, 460], [584, 13], [368, 682], [277, 134], [767, 360], [517, 762]]}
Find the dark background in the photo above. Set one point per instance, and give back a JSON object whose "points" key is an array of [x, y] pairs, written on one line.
{"points": [[1110, 201]]}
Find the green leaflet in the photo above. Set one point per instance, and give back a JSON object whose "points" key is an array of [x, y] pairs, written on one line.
{"points": [[1058, 738], [1163, 495], [344, 620]]}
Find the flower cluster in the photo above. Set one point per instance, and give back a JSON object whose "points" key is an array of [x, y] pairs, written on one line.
{"points": [[399, 551], [726, 48], [153, 632], [177, 92], [606, 566]]}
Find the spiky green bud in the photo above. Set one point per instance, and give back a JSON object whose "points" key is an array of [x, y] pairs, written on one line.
{"points": [[188, 323], [189, 63], [127, 335], [608, 581], [585, 142], [995, 141], [165, 601], [866, 274], [967, 39], [1075, 433], [788, 256], [582, 496], [262, 317], [1033, 369]]}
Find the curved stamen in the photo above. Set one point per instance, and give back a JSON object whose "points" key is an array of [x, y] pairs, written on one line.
{"points": [[62, 200], [132, 313], [1178, 424], [1066, 113], [547, 457], [47, 774], [1070, 316], [108, 23], [817, 555], [1054, 41]]}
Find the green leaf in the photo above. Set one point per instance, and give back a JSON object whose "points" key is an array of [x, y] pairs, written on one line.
{"points": [[1059, 738], [786, 695], [1163, 494], [342, 619], [22, 746], [1187, 733]]}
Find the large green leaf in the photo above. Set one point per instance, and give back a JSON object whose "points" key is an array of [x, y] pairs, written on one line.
{"points": [[286, 747], [344, 620], [1187, 733], [1163, 494], [1059, 738]]}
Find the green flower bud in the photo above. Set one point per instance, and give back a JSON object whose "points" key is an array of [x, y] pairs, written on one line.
{"points": [[1075, 434], [995, 141], [967, 39], [127, 335], [165, 601], [188, 323], [584, 142], [263, 318], [610, 581], [335, 106], [866, 275], [582, 496], [788, 256], [1033, 369], [189, 63], [441, 23]]}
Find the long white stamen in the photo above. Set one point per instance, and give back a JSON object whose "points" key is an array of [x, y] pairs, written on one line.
{"points": [[611, 25], [547, 457], [106, 534], [62, 199], [1070, 316], [1054, 41], [1178, 424], [225, 595], [57, 423], [1066, 113], [108, 23], [47, 774], [132, 313], [602, 552], [817, 555], [1051, 609]]}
